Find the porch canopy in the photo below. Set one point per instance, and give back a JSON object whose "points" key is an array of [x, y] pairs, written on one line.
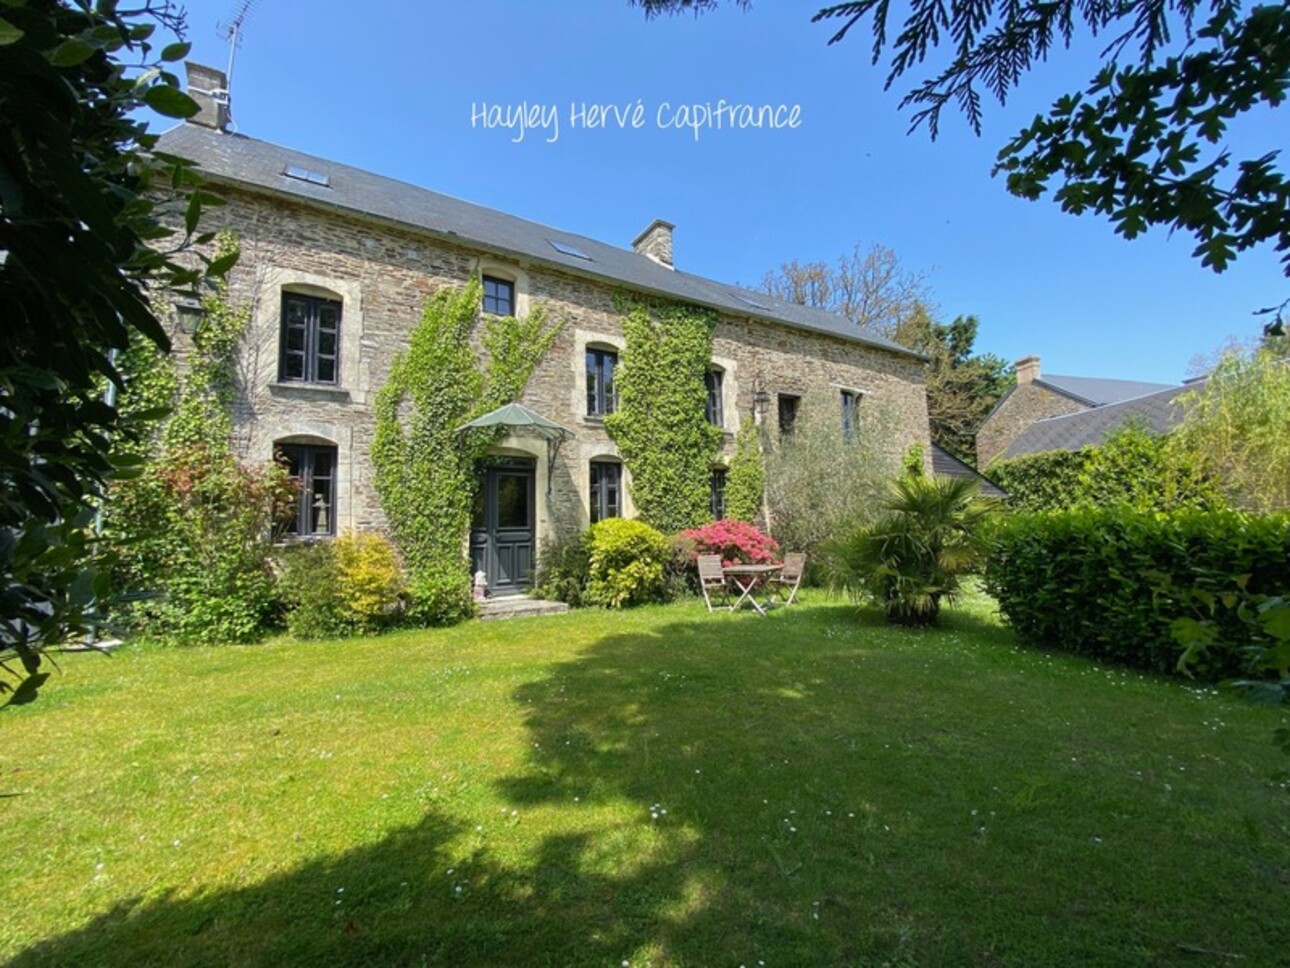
{"points": [[518, 419]]}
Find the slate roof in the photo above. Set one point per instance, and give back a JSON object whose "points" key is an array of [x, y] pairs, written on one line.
{"points": [[943, 462], [260, 165], [1158, 411], [1096, 392]]}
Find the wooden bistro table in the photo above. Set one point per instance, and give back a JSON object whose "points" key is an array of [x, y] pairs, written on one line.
{"points": [[747, 578]]}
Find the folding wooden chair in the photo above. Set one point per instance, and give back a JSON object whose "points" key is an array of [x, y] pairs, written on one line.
{"points": [[790, 578], [712, 580]]}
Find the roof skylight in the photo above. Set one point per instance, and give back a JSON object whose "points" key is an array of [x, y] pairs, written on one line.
{"points": [[305, 175], [566, 248]]}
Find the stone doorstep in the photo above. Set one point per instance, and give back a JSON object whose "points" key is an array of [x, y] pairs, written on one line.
{"points": [[518, 606]]}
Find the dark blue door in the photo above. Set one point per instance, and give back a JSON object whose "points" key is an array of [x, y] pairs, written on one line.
{"points": [[503, 528]]}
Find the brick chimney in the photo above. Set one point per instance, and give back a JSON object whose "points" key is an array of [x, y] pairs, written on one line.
{"points": [[656, 242], [209, 88], [1027, 370]]}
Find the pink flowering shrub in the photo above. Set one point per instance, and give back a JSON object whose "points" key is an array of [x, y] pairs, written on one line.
{"points": [[735, 541]]}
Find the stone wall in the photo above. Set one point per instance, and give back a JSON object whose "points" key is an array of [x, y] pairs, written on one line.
{"points": [[383, 274], [1026, 403]]}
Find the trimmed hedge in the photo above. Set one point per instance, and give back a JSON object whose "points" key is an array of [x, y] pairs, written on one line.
{"points": [[1107, 584]]}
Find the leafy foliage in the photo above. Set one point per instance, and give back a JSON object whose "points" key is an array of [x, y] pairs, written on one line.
{"points": [[1113, 584], [627, 563], [426, 472], [660, 425], [83, 250], [962, 386], [911, 559], [817, 486], [1133, 467], [735, 541], [350, 586], [1234, 428], [563, 570], [194, 529], [746, 479]]}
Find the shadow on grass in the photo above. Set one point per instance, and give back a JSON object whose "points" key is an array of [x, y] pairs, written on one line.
{"points": [[721, 788]]}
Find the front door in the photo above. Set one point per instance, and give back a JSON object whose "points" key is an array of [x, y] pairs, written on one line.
{"points": [[502, 526]]}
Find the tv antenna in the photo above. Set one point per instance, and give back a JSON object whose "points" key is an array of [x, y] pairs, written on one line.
{"points": [[231, 32]]}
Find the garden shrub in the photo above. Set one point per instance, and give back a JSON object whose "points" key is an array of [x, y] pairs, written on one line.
{"points": [[353, 585], [1111, 584], [627, 563], [817, 485], [1132, 466], [307, 588], [564, 567], [195, 533], [735, 541], [911, 559]]}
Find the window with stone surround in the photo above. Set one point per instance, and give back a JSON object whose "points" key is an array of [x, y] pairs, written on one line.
{"points": [[717, 493], [606, 490], [713, 382], [602, 393], [313, 469], [309, 344], [499, 296]]}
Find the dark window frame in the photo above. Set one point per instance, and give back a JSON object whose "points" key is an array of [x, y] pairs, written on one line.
{"points": [[313, 363], [302, 465], [850, 414], [788, 406], [717, 492], [499, 296], [714, 380], [606, 490], [600, 403]]}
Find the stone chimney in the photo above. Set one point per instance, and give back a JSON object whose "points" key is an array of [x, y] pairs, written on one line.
{"points": [[209, 88], [656, 242], [1027, 370]]}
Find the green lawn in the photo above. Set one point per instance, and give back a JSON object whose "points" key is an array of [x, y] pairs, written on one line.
{"points": [[657, 787]]}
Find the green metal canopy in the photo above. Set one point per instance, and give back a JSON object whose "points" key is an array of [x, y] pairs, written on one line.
{"points": [[518, 418]]}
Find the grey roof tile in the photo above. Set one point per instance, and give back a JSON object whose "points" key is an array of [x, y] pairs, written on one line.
{"points": [[1096, 391], [260, 164], [1158, 411], [943, 462]]}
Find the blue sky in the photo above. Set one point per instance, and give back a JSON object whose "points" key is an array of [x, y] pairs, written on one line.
{"points": [[390, 86]]}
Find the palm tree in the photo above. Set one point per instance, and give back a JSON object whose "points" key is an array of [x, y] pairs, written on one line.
{"points": [[911, 558]]}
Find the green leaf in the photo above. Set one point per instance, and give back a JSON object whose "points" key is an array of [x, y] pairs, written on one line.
{"points": [[175, 52], [8, 33], [221, 265], [72, 52], [170, 101]]}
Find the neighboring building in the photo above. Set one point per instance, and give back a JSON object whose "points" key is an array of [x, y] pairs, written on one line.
{"points": [[1038, 398], [337, 263], [1159, 412]]}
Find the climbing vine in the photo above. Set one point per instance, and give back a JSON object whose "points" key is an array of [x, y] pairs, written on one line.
{"points": [[194, 528], [747, 476], [660, 424], [426, 471]]}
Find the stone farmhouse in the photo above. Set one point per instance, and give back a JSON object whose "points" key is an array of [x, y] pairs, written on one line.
{"points": [[337, 263], [1069, 412]]}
